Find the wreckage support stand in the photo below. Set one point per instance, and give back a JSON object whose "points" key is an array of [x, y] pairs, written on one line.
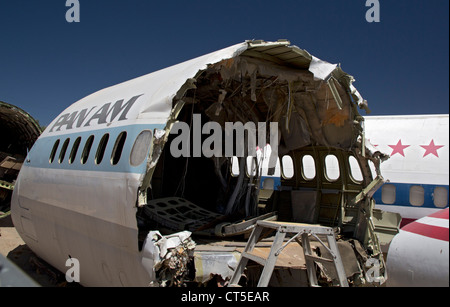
{"points": [[302, 233]]}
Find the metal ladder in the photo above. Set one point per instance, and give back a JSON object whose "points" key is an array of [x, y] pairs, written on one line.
{"points": [[302, 233]]}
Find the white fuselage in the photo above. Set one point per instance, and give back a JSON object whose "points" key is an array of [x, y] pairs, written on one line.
{"points": [[419, 255], [418, 167]]}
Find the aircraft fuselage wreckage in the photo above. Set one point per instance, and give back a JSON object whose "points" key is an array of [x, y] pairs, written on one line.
{"points": [[102, 183]]}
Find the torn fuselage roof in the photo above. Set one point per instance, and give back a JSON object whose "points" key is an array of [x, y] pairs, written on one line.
{"points": [[150, 98]]}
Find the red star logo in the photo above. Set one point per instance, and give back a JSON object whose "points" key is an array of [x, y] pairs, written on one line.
{"points": [[431, 149], [398, 148]]}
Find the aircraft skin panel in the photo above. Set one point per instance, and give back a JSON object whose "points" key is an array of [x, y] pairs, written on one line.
{"points": [[105, 250], [418, 256], [418, 146], [403, 270], [409, 162], [58, 186], [408, 213], [84, 228]]}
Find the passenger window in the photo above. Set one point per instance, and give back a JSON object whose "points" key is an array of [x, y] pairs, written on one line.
{"points": [[74, 151], [388, 192], [355, 170], [416, 196], [140, 148], [101, 149], [53, 153], [308, 167], [287, 167], [440, 196], [332, 167], [118, 147], [87, 149], [63, 150]]}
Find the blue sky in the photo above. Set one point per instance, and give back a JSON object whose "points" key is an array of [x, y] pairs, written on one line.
{"points": [[401, 64]]}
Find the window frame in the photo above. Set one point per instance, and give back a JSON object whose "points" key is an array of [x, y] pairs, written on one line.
{"points": [[326, 168], [87, 149], [74, 151], [54, 150], [101, 149], [304, 175], [148, 146], [119, 145], [62, 153]]}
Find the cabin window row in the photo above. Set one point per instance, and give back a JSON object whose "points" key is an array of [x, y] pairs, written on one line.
{"points": [[416, 195], [138, 153], [285, 169]]}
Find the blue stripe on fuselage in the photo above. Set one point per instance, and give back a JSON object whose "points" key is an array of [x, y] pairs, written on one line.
{"points": [[402, 195], [39, 155]]}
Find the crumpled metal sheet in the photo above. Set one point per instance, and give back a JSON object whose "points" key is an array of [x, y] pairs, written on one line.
{"points": [[349, 261], [321, 69], [166, 257], [210, 264]]}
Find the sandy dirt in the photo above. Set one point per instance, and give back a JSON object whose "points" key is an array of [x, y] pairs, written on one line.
{"points": [[14, 248]]}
